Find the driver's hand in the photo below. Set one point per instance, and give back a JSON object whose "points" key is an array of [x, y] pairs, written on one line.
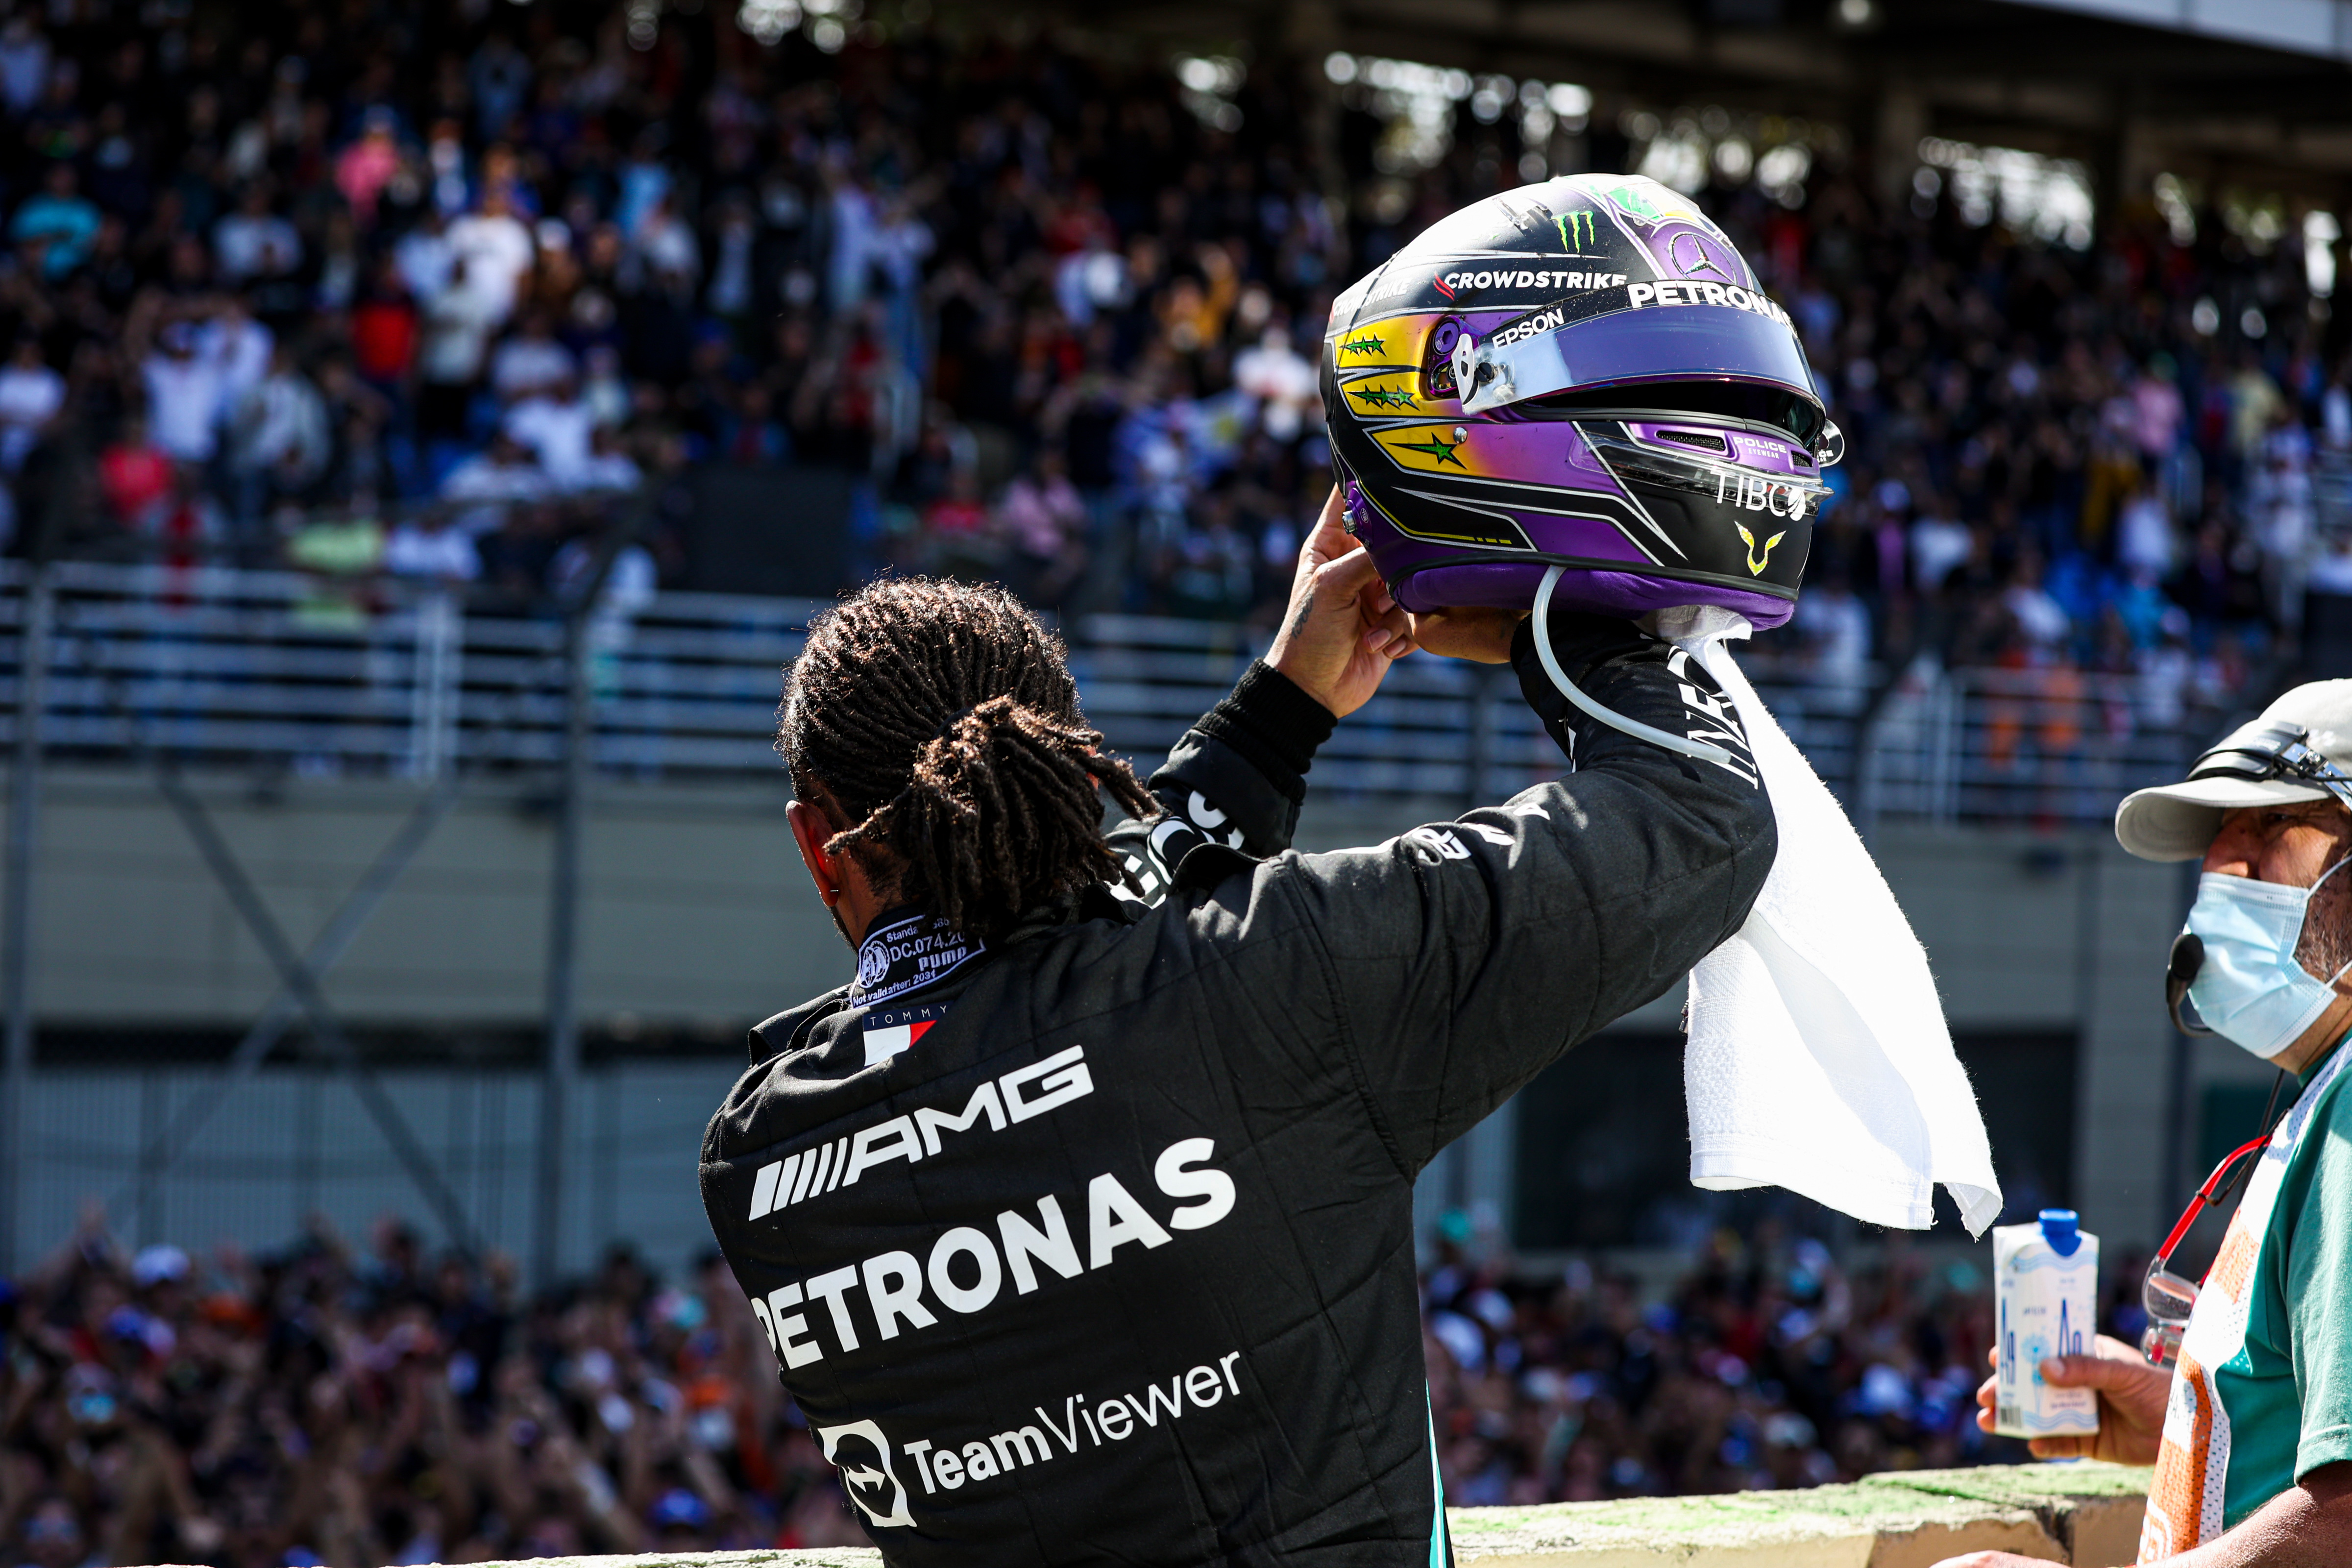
{"points": [[1476, 633], [1342, 629]]}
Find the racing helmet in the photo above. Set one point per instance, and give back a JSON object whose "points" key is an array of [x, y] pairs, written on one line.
{"points": [[1583, 375]]}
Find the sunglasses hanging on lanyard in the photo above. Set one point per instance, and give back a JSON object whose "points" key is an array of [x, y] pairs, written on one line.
{"points": [[2167, 1297]]}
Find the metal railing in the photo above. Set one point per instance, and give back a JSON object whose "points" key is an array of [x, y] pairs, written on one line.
{"points": [[383, 677]]}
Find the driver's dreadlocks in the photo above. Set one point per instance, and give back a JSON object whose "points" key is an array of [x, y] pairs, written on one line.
{"points": [[938, 721]]}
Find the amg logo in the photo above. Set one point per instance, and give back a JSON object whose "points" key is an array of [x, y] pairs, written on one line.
{"points": [[1058, 1080]]}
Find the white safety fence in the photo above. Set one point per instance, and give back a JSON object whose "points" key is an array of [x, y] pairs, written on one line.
{"points": [[283, 671]]}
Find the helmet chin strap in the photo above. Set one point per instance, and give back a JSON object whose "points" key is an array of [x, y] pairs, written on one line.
{"points": [[1616, 721]]}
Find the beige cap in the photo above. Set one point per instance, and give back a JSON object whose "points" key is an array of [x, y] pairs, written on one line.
{"points": [[2177, 822]]}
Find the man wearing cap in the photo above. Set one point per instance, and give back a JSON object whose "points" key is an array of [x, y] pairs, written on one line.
{"points": [[2252, 1432]]}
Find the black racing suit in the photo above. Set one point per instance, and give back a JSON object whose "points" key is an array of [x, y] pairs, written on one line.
{"points": [[1097, 1246]]}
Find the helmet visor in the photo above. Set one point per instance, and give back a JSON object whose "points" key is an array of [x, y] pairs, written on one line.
{"points": [[1536, 356]]}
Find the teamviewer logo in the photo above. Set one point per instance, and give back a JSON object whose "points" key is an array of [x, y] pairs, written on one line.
{"points": [[862, 1455]]}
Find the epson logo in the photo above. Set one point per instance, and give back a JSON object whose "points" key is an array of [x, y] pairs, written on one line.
{"points": [[1532, 326], [1015, 1097]]}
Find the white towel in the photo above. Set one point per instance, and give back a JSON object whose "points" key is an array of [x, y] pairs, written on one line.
{"points": [[1818, 1059]]}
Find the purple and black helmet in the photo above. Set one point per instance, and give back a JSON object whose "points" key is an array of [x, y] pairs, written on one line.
{"points": [[1582, 373]]}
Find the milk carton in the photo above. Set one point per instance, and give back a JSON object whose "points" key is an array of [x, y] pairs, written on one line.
{"points": [[2045, 1285]]}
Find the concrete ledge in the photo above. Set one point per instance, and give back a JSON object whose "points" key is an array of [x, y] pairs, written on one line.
{"points": [[2084, 1514]]}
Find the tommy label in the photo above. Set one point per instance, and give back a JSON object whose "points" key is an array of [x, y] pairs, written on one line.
{"points": [[889, 1032]]}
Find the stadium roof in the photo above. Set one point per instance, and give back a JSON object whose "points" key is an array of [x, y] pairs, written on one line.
{"points": [[2256, 90]]}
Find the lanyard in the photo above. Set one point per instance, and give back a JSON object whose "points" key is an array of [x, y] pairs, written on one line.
{"points": [[2167, 1297]]}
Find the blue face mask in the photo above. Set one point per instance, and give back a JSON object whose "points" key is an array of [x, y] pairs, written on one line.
{"points": [[2250, 990]]}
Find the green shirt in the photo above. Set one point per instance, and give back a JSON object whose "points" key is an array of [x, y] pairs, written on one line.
{"points": [[2288, 1391]]}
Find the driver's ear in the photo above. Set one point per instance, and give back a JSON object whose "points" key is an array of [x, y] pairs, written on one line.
{"points": [[811, 831]]}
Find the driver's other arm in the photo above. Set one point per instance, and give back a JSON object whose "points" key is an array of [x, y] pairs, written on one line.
{"points": [[1463, 958], [2307, 1526]]}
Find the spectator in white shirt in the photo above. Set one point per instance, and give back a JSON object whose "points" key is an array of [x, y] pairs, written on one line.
{"points": [[30, 396], [556, 422], [425, 258], [531, 361], [483, 485], [608, 467], [185, 395], [432, 546], [280, 438], [1281, 380], [238, 346], [496, 249], [254, 242], [457, 324]]}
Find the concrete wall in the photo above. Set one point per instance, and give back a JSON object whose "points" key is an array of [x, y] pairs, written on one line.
{"points": [[695, 908], [2086, 1515], [697, 922]]}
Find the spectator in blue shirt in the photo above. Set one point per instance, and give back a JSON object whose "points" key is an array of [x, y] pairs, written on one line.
{"points": [[62, 217]]}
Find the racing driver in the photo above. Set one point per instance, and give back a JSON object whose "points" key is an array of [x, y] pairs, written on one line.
{"points": [[1080, 1222]]}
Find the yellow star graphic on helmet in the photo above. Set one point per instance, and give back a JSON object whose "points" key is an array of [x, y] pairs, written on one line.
{"points": [[1381, 397], [1436, 447]]}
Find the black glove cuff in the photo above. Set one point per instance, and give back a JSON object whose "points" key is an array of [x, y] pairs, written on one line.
{"points": [[1273, 724]]}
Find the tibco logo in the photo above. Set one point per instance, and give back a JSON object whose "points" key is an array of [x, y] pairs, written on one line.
{"points": [[1753, 492]]}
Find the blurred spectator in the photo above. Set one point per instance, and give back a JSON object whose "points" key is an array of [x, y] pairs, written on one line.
{"points": [[556, 423], [24, 64], [31, 397], [252, 242], [187, 394], [59, 222], [280, 443], [135, 476], [384, 329], [433, 546], [495, 249], [456, 327], [531, 361], [367, 165]]}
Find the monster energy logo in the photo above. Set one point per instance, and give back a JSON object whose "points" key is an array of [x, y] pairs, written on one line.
{"points": [[1575, 230], [1381, 397], [1360, 346]]}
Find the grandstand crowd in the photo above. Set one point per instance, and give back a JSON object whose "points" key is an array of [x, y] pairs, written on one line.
{"points": [[341, 1404], [279, 280]]}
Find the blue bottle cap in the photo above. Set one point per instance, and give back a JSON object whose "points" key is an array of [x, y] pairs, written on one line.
{"points": [[2060, 1228]]}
